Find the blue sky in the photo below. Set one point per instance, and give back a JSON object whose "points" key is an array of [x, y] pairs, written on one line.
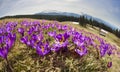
{"points": [[107, 10]]}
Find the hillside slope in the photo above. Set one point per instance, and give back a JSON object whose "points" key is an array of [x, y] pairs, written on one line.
{"points": [[87, 55]]}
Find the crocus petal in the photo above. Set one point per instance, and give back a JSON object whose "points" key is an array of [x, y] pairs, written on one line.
{"points": [[40, 37], [103, 49], [24, 39], [66, 35], [81, 53], [52, 34], [21, 31], [9, 29], [56, 49], [109, 65], [59, 37], [4, 52], [40, 47], [78, 43], [109, 52]]}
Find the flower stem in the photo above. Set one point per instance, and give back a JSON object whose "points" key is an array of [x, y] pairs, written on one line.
{"points": [[10, 68]]}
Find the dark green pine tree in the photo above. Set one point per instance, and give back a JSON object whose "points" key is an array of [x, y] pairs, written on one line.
{"points": [[82, 20], [91, 22], [119, 34]]}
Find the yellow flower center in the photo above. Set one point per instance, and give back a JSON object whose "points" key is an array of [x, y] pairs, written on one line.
{"points": [[62, 40], [42, 48], [81, 49]]}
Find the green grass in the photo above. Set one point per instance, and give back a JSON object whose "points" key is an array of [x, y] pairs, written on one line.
{"points": [[25, 59], [111, 38]]}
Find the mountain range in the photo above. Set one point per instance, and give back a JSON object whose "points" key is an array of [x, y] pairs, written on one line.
{"points": [[54, 12]]}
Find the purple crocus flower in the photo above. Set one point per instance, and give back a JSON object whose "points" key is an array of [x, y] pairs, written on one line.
{"points": [[30, 31], [62, 37], [42, 48], [7, 43], [78, 42], [59, 27], [109, 64], [58, 45], [81, 50], [78, 39], [52, 34], [33, 40], [9, 29], [103, 49], [30, 42], [60, 42], [40, 36], [10, 39], [64, 27], [72, 31], [36, 29], [25, 23], [1, 39], [24, 39], [33, 43], [109, 52], [1, 31], [35, 22], [21, 31], [4, 52], [52, 25], [34, 37]]}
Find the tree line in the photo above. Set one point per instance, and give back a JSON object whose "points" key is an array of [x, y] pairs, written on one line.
{"points": [[83, 21]]}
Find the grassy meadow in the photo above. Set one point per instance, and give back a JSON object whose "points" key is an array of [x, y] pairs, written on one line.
{"points": [[23, 58]]}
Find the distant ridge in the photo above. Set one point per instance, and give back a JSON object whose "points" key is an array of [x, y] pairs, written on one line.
{"points": [[55, 12]]}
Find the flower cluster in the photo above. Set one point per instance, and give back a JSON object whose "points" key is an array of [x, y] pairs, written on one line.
{"points": [[52, 37], [7, 38]]}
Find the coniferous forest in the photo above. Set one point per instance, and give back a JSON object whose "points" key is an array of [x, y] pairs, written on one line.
{"points": [[83, 21]]}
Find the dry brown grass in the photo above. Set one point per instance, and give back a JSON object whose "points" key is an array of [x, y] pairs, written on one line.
{"points": [[110, 38], [20, 58]]}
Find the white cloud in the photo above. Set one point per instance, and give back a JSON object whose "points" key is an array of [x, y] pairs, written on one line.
{"points": [[71, 0], [102, 9]]}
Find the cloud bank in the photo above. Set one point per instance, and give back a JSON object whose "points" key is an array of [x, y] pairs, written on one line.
{"points": [[107, 10]]}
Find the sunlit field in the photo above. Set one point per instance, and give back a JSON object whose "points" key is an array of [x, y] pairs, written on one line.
{"points": [[33, 45]]}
